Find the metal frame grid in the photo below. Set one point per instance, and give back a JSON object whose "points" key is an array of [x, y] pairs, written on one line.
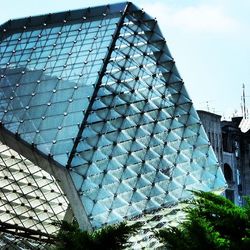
{"points": [[43, 78], [15, 242], [29, 197], [142, 144], [96, 92]]}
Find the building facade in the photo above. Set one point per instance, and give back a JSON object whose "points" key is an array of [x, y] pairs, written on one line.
{"points": [[93, 97], [237, 142], [233, 154]]}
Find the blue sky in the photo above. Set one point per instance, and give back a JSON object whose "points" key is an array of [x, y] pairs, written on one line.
{"points": [[210, 41]]}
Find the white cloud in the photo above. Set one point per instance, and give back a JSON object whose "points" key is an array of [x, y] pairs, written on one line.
{"points": [[200, 18]]}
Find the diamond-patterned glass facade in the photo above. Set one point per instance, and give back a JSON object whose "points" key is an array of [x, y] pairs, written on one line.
{"points": [[45, 89], [30, 197], [96, 93]]}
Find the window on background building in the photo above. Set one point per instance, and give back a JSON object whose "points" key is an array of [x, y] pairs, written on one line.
{"points": [[226, 146], [228, 173]]}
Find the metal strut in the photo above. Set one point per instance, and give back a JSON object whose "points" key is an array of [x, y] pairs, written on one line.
{"points": [[27, 233], [99, 80]]}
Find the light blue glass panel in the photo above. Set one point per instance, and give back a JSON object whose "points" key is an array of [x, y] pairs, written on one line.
{"points": [[48, 75], [144, 127], [142, 143]]}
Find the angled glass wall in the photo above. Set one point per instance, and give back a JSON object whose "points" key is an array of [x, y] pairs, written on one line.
{"points": [[142, 145], [93, 97], [48, 75]]}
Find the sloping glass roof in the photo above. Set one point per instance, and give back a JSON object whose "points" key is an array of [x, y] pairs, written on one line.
{"points": [[142, 145], [48, 74], [96, 92]]}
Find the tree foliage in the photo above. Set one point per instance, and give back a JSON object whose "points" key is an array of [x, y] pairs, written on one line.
{"points": [[113, 237], [212, 222]]}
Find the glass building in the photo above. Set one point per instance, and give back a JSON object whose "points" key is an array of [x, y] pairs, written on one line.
{"points": [[96, 124]]}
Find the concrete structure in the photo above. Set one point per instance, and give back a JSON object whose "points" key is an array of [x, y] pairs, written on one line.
{"points": [[232, 166], [237, 143], [231, 146], [222, 146], [93, 97]]}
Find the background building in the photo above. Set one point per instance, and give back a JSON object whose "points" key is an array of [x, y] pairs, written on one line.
{"points": [[232, 148], [212, 125], [237, 142]]}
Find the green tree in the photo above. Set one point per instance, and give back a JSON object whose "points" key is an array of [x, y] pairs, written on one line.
{"points": [[113, 237], [212, 222]]}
